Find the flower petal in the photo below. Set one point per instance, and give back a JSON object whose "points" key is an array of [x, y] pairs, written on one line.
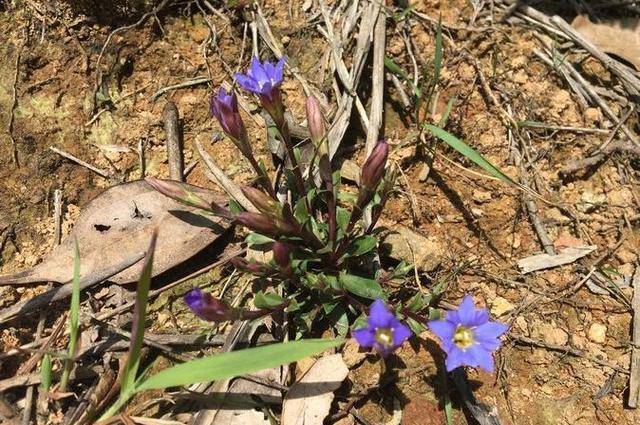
{"points": [[247, 83], [443, 329], [379, 315], [366, 337], [466, 310], [257, 71], [455, 359], [401, 333], [490, 330], [481, 357], [280, 68]]}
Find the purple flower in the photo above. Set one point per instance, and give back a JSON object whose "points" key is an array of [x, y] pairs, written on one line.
{"points": [[384, 332], [261, 78], [224, 106], [203, 305], [468, 336], [264, 79]]}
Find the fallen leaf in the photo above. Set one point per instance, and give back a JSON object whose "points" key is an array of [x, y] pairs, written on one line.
{"points": [[547, 261], [309, 399], [620, 37], [118, 224]]}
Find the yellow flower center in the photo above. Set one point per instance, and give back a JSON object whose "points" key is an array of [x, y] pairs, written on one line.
{"points": [[384, 337], [463, 337]]}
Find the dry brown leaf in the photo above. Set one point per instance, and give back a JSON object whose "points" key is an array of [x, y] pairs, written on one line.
{"points": [[118, 224], [309, 399], [547, 261], [620, 37]]}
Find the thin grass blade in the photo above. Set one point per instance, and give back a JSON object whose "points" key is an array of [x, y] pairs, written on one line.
{"points": [[73, 320]]}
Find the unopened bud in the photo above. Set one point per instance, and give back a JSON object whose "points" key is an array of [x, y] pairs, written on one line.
{"points": [[265, 225], [373, 168], [224, 106], [281, 254], [315, 122], [263, 202], [251, 267], [178, 191], [203, 305]]}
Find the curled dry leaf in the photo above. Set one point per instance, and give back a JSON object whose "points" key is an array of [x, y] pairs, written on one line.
{"points": [[620, 37], [118, 224], [309, 399]]}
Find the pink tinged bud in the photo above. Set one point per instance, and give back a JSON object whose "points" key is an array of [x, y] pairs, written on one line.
{"points": [[251, 267], [263, 202], [373, 168], [282, 254], [203, 305], [178, 191], [265, 225], [315, 121]]}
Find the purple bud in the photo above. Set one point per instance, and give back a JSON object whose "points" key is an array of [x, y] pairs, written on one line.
{"points": [[251, 267], [263, 202], [373, 168], [203, 305], [265, 225], [282, 254], [315, 122], [224, 106], [178, 191]]}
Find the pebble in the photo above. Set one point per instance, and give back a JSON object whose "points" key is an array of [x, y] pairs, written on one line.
{"points": [[598, 333], [481, 196], [500, 306]]}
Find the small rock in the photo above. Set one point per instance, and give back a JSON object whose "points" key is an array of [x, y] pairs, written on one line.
{"points": [[589, 201], [598, 333], [350, 171], [627, 270], [553, 335], [412, 247], [626, 256], [500, 306], [521, 323], [477, 212], [352, 355], [481, 196], [592, 115]]}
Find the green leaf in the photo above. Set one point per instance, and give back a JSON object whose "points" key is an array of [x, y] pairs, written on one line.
{"points": [[416, 302], [399, 17], [447, 111], [468, 152], [235, 207], [236, 363], [268, 300], [437, 57], [342, 218], [257, 239], [73, 319], [415, 326], [361, 286], [361, 245], [45, 372]]}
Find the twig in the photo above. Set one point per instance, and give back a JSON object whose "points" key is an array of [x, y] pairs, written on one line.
{"points": [[14, 103], [567, 350], [142, 159], [64, 291], [170, 117], [78, 161], [189, 168], [57, 216], [634, 370], [218, 176], [189, 83], [613, 133], [377, 92]]}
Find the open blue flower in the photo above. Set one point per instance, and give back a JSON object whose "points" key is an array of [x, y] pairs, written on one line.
{"points": [[261, 78], [264, 79], [468, 337], [384, 332]]}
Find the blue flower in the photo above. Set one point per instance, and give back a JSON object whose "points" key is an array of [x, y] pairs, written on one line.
{"points": [[468, 336], [262, 78], [203, 305], [384, 332]]}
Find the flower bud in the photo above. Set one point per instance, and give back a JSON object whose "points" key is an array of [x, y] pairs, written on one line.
{"points": [[315, 123], [251, 267], [224, 106], [203, 305], [178, 191], [263, 202], [265, 225], [373, 168], [282, 254]]}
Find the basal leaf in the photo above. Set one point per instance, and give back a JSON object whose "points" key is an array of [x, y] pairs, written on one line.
{"points": [[267, 300], [361, 245], [361, 286]]}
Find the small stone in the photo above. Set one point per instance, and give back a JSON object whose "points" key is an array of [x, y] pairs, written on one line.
{"points": [[521, 323], [626, 256], [589, 201], [598, 333], [352, 355], [405, 244], [592, 115], [481, 196], [285, 40], [477, 212], [627, 270], [553, 335], [500, 306]]}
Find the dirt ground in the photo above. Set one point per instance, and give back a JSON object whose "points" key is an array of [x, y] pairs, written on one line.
{"points": [[48, 62]]}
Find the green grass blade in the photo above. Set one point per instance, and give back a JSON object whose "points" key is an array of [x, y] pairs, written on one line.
{"points": [[236, 363], [45, 372], [73, 320], [437, 57], [447, 112], [469, 152], [139, 317]]}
